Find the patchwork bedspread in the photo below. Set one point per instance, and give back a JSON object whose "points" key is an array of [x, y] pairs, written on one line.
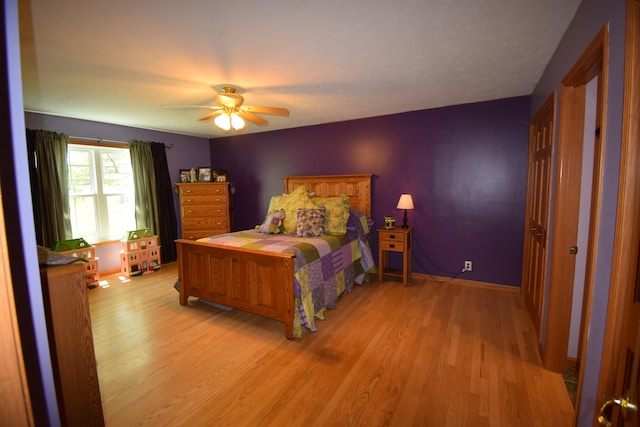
{"points": [[324, 267]]}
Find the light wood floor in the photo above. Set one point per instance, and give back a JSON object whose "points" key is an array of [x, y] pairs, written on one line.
{"points": [[432, 354]]}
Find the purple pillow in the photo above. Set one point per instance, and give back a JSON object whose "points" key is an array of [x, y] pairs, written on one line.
{"points": [[310, 222], [272, 223]]}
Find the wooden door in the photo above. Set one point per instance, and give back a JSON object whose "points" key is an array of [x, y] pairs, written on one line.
{"points": [[537, 210], [15, 403], [619, 372]]}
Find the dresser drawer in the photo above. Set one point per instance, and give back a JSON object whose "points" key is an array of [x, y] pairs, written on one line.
{"points": [[203, 189], [204, 200], [194, 233], [199, 234], [204, 211], [205, 223]]}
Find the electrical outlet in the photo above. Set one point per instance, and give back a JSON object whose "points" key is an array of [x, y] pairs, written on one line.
{"points": [[468, 266]]}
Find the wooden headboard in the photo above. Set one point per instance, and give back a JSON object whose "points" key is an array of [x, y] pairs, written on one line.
{"points": [[356, 187]]}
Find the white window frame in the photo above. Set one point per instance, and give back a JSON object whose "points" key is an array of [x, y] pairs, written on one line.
{"points": [[103, 233]]}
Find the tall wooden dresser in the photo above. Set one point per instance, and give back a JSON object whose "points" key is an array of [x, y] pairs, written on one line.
{"points": [[205, 209], [66, 304]]}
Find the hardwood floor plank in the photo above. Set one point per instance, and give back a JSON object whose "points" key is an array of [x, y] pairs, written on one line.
{"points": [[432, 354]]}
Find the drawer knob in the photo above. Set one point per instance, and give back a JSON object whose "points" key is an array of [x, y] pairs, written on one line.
{"points": [[392, 245], [392, 236], [189, 211]]}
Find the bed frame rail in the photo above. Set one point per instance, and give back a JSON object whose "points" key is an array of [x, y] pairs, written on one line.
{"points": [[249, 280]]}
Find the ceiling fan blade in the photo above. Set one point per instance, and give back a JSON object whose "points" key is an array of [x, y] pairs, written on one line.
{"points": [[229, 99], [276, 111], [210, 115], [252, 118]]}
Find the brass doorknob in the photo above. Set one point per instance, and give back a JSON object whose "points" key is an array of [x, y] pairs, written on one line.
{"points": [[624, 404]]}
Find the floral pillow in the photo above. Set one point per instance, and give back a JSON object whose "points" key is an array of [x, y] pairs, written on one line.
{"points": [[297, 199], [310, 222], [272, 223], [337, 213]]}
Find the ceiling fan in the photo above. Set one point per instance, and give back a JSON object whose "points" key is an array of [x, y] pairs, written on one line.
{"points": [[231, 113]]}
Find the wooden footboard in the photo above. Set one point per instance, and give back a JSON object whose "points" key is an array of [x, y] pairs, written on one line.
{"points": [[254, 281]]}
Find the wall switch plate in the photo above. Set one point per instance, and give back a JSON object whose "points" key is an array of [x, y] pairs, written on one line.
{"points": [[468, 266]]}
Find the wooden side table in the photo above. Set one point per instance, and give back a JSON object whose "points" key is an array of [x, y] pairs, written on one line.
{"points": [[395, 240]]}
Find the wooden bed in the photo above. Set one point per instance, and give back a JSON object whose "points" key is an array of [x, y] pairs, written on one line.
{"points": [[255, 281]]}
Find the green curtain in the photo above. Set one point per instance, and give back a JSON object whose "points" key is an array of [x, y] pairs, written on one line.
{"points": [[145, 186], [52, 180]]}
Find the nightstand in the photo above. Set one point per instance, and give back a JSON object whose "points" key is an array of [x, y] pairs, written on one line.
{"points": [[395, 240]]}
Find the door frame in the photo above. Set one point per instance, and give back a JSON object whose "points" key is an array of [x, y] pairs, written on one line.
{"points": [[593, 62], [627, 231]]}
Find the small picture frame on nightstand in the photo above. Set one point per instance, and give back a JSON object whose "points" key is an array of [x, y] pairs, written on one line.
{"points": [[389, 222]]}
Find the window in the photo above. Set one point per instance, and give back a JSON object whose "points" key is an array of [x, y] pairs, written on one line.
{"points": [[101, 192]]}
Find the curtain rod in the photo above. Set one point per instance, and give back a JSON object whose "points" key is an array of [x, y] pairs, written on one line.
{"points": [[86, 138], [111, 141]]}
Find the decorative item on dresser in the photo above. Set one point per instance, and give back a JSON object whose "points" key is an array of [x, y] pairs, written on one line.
{"points": [[205, 209]]}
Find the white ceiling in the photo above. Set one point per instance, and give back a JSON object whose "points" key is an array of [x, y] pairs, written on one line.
{"points": [[120, 61]]}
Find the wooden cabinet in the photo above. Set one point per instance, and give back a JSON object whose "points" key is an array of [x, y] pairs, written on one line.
{"points": [[395, 240], [64, 291], [205, 209]]}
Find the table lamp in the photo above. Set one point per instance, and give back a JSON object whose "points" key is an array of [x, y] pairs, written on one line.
{"points": [[405, 202]]}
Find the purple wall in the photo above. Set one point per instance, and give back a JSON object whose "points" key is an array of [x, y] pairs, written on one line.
{"points": [[466, 167], [591, 16], [185, 152]]}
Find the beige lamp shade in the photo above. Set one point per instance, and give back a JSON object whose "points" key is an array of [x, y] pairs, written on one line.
{"points": [[405, 202]]}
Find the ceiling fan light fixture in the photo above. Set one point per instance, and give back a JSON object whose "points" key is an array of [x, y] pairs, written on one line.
{"points": [[229, 111], [237, 122], [223, 121]]}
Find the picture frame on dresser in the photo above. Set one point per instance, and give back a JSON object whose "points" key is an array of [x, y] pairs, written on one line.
{"points": [[185, 175], [221, 176], [204, 174]]}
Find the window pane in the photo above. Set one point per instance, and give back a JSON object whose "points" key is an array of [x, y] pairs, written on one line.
{"points": [[121, 215], [80, 175], [83, 214], [116, 172]]}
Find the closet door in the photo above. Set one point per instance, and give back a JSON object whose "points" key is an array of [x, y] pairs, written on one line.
{"points": [[537, 211]]}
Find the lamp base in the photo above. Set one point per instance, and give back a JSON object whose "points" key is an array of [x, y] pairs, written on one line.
{"points": [[404, 220]]}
